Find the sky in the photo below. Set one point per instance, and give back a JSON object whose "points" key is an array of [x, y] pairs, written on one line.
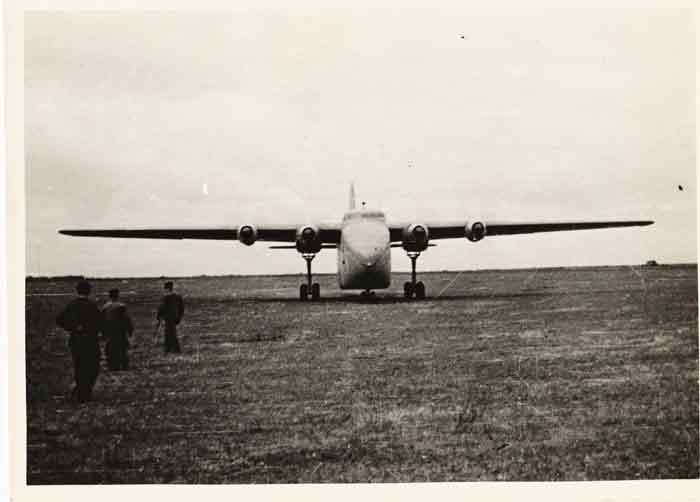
{"points": [[225, 118]]}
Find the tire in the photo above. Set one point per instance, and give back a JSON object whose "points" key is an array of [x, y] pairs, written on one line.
{"points": [[303, 292], [407, 290], [420, 291], [315, 291]]}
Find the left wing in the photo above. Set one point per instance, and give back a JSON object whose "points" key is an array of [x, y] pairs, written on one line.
{"points": [[329, 233], [221, 233], [455, 230]]}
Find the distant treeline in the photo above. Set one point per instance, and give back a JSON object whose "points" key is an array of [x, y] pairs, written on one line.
{"points": [[160, 277], [444, 271], [54, 277]]}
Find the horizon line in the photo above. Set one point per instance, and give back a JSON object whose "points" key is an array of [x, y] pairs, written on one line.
{"points": [[194, 276]]}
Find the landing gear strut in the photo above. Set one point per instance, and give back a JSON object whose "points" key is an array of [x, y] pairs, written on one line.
{"points": [[308, 288], [413, 287]]}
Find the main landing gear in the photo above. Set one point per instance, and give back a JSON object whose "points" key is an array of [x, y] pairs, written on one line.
{"points": [[413, 287], [309, 289]]}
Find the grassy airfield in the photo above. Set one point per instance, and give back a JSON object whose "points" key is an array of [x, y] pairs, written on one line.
{"points": [[549, 374]]}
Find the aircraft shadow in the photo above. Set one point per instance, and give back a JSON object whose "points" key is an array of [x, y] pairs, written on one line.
{"points": [[392, 299]]}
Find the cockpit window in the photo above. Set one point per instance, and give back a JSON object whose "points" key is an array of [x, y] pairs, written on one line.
{"points": [[372, 214], [364, 215]]}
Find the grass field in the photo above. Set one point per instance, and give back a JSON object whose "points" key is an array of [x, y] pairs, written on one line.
{"points": [[550, 374]]}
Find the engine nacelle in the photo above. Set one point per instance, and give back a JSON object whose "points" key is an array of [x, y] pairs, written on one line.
{"points": [[308, 239], [475, 231], [415, 238], [247, 234]]}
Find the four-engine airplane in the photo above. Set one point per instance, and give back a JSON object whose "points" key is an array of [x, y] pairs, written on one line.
{"points": [[363, 239]]}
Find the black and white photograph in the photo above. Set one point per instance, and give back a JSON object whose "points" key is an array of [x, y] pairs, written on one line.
{"points": [[353, 245]]}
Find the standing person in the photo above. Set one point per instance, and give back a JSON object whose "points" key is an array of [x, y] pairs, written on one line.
{"points": [[83, 320], [171, 310], [116, 327]]}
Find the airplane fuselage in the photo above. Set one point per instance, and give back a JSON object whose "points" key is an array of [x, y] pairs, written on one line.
{"points": [[364, 251]]}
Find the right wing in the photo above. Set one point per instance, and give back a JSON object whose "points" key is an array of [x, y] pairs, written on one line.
{"points": [[457, 229], [277, 233], [506, 228]]}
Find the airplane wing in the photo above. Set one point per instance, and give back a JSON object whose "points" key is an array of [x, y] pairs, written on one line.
{"points": [[457, 229], [276, 233]]}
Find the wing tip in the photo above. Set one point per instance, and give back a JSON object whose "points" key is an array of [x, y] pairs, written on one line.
{"points": [[78, 233]]}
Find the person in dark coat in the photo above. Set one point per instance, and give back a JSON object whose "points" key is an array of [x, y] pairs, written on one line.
{"points": [[171, 310], [117, 328], [83, 320]]}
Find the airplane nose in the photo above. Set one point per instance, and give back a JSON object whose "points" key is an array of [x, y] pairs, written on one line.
{"points": [[371, 257], [368, 243]]}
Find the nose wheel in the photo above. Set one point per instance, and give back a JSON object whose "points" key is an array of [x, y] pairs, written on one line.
{"points": [[414, 288], [309, 289]]}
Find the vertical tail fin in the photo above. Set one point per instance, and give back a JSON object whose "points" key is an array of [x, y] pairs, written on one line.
{"points": [[352, 196]]}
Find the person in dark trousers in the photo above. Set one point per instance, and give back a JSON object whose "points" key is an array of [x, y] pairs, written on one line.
{"points": [[171, 310], [83, 320], [117, 328]]}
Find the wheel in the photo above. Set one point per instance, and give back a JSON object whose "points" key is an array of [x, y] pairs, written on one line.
{"points": [[303, 292], [420, 291], [315, 291], [407, 290]]}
